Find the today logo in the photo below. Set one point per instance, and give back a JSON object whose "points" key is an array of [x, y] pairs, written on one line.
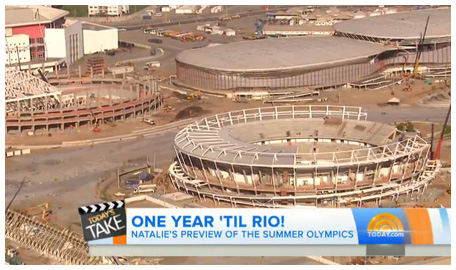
{"points": [[385, 225]]}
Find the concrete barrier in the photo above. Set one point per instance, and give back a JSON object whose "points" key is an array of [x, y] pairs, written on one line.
{"points": [[17, 152]]}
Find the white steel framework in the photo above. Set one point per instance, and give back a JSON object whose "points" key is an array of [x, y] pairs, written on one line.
{"points": [[211, 162]]}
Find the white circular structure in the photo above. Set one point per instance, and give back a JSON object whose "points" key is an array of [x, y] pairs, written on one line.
{"points": [[406, 27], [297, 155]]}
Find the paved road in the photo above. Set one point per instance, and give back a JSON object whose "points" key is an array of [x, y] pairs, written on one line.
{"points": [[70, 174], [436, 115]]}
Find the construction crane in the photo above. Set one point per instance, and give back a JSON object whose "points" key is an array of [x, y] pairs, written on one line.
{"points": [[45, 212], [419, 49], [439, 145]]}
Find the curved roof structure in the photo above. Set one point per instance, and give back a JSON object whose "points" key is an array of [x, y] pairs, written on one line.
{"points": [[407, 25], [280, 54]]}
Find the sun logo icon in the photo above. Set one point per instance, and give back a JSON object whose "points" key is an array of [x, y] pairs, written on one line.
{"points": [[385, 222]]}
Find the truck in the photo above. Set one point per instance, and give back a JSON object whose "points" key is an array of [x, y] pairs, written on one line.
{"points": [[150, 31], [145, 189], [124, 69], [151, 65], [160, 32]]}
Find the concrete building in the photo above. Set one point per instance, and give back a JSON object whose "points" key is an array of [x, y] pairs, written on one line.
{"points": [[109, 10], [17, 49], [186, 10], [98, 38], [66, 42]]}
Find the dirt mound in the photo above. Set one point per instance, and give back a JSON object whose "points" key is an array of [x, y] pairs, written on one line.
{"points": [[189, 112]]}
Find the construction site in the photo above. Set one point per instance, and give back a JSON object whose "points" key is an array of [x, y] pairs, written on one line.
{"points": [[244, 123]]}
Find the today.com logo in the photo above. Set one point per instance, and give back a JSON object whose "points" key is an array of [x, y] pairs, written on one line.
{"points": [[385, 225]]}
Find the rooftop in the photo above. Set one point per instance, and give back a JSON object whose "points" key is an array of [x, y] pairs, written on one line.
{"points": [[406, 25], [303, 27], [31, 14], [94, 27], [279, 54]]}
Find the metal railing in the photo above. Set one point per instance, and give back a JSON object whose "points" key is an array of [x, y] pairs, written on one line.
{"points": [[207, 129]]}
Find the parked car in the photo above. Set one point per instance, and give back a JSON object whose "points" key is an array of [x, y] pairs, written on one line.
{"points": [[155, 40], [149, 121]]}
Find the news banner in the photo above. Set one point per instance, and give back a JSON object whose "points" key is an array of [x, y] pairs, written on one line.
{"points": [[113, 230]]}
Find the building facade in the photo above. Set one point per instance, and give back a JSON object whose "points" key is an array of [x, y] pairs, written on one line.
{"points": [[108, 10], [25, 31], [17, 49], [98, 38]]}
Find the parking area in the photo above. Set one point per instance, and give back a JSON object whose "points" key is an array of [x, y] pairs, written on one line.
{"points": [[172, 47]]}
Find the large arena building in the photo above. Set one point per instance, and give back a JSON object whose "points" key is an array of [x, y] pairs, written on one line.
{"points": [[360, 48], [298, 155]]}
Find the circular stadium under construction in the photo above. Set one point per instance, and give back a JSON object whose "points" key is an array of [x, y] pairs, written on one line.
{"points": [[299, 156], [35, 105]]}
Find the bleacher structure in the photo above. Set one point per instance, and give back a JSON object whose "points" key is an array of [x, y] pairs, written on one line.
{"points": [[25, 92], [298, 155]]}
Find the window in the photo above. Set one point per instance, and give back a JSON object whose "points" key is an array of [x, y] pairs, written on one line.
{"points": [[40, 40], [32, 41]]}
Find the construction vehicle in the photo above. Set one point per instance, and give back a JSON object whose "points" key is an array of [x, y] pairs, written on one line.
{"points": [[439, 145], [408, 87], [253, 37], [44, 211], [156, 51], [12, 256], [145, 189], [419, 50], [151, 65], [168, 108], [123, 64], [194, 95], [150, 31], [97, 128], [149, 121], [111, 52], [225, 18]]}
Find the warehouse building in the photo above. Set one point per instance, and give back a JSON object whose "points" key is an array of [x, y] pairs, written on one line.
{"points": [[98, 38]]}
